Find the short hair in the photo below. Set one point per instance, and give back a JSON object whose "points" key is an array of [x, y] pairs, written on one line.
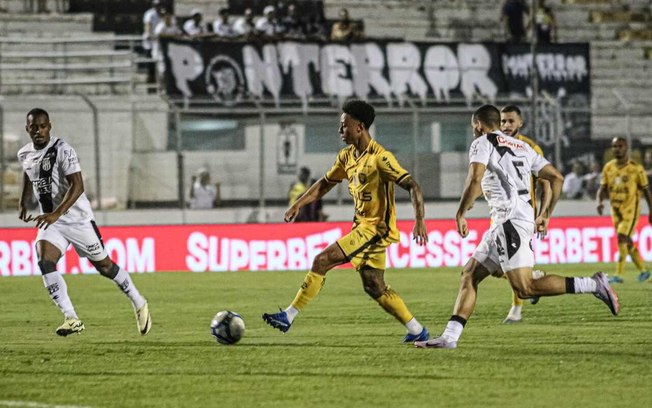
{"points": [[36, 112], [360, 110], [619, 138], [511, 108], [488, 115]]}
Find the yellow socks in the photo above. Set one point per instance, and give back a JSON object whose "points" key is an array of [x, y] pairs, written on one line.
{"points": [[636, 258], [622, 257], [516, 301], [392, 303], [310, 287]]}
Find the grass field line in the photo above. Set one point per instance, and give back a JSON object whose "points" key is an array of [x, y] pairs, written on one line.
{"points": [[32, 404]]}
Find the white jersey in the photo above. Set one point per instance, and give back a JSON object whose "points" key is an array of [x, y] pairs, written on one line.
{"points": [[47, 169], [506, 182]]}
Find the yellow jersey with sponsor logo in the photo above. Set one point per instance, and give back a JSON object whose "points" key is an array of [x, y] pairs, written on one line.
{"points": [[624, 184], [539, 151], [371, 177]]}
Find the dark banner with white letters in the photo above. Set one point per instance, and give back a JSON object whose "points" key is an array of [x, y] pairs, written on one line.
{"points": [[231, 72]]}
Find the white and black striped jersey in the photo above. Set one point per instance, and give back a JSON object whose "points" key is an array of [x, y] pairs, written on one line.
{"points": [[47, 169], [506, 182]]}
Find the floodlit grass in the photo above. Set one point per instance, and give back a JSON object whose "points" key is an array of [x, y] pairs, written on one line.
{"points": [[343, 351]]}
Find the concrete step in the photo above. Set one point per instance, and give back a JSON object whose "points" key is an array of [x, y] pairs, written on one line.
{"points": [[45, 25]]}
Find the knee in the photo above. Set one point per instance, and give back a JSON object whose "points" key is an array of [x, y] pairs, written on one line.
{"points": [[468, 277], [320, 263], [374, 289], [108, 269], [47, 267], [524, 290]]}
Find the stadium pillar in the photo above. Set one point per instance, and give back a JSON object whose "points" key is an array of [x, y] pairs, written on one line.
{"points": [[534, 72], [96, 149]]}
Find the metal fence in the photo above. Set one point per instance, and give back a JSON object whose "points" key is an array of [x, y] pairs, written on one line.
{"points": [[143, 153]]}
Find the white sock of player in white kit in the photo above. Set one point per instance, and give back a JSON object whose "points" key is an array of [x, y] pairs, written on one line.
{"points": [[124, 282], [584, 285], [58, 291]]}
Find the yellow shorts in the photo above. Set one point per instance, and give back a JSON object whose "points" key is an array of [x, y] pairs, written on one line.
{"points": [[625, 222], [364, 247]]}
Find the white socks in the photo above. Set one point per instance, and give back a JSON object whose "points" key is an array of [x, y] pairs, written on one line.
{"points": [[291, 312], [413, 326], [585, 285], [124, 282], [515, 311], [58, 291], [453, 331]]}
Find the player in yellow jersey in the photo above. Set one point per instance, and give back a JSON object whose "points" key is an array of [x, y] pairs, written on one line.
{"points": [[511, 122], [623, 180], [371, 172]]}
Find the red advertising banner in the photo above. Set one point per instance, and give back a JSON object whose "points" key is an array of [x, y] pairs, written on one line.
{"points": [[270, 247]]}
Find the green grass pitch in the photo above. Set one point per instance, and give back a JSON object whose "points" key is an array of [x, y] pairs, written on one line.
{"points": [[342, 351]]}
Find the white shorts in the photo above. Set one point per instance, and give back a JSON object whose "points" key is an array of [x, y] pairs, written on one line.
{"points": [[84, 237], [506, 246]]}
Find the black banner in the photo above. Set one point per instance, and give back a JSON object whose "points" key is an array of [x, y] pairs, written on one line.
{"points": [[232, 72]]}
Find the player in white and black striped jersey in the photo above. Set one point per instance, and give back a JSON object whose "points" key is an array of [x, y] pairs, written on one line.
{"points": [[501, 168], [52, 175]]}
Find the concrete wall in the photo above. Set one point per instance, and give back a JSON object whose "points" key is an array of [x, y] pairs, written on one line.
{"points": [[72, 120]]}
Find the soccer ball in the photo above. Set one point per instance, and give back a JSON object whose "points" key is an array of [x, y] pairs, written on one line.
{"points": [[227, 327]]}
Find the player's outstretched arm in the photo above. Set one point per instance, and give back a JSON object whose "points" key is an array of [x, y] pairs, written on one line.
{"points": [[25, 196], [419, 232], [314, 192], [472, 190], [550, 173], [76, 189], [544, 208]]}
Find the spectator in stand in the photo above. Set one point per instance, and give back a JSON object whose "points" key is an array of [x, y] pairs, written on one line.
{"points": [[344, 29], [204, 195], [514, 14], [314, 211], [151, 18], [572, 187], [291, 23], [268, 25], [166, 28], [221, 27], [647, 163], [297, 189], [591, 181], [244, 26], [193, 26], [546, 24], [315, 28]]}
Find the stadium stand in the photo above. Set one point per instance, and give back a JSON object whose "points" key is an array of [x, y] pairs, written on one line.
{"points": [[75, 56]]}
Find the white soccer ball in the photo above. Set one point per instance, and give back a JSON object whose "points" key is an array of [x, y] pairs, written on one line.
{"points": [[227, 327]]}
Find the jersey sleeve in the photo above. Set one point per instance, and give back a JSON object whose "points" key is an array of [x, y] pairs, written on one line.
{"points": [[68, 160], [337, 173], [537, 149], [538, 162], [603, 176], [642, 177], [389, 168], [480, 151]]}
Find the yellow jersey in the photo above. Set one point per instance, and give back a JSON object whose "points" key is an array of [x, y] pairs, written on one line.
{"points": [[624, 184], [538, 150], [371, 178], [296, 190]]}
